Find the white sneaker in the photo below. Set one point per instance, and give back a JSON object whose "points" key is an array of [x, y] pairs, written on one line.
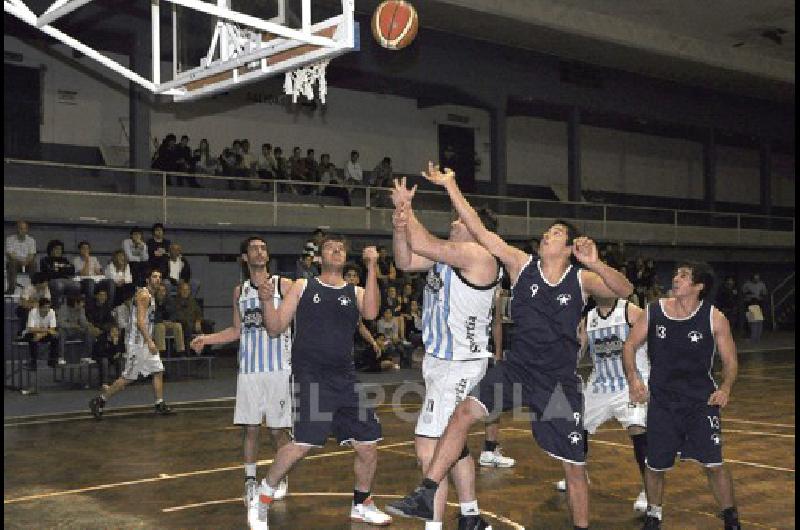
{"points": [[281, 490], [640, 504], [253, 522], [369, 513], [495, 459]]}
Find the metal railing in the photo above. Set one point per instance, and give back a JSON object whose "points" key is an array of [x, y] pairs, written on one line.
{"points": [[518, 216], [777, 300]]}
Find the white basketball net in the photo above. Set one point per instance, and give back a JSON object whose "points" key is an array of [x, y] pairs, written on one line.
{"points": [[301, 82]]}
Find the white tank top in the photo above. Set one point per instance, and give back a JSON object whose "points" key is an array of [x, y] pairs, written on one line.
{"points": [[606, 337], [456, 315], [135, 337], [258, 352]]}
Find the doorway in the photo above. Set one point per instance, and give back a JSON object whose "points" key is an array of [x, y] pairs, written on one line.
{"points": [[457, 151]]}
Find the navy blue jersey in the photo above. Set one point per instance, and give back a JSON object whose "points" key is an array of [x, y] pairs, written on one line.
{"points": [[681, 353], [325, 323], [546, 321]]}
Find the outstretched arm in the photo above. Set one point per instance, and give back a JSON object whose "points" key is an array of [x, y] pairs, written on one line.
{"points": [[404, 256], [225, 336], [600, 281], [513, 259]]}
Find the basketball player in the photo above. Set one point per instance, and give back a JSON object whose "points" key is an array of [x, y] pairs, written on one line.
{"points": [[548, 298], [462, 278], [606, 396], [683, 332], [326, 311], [141, 353], [263, 387]]}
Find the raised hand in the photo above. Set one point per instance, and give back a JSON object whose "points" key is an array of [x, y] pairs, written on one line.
{"points": [[370, 255], [401, 194], [585, 251], [266, 290], [438, 177]]}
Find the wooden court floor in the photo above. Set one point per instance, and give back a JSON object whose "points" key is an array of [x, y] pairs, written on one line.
{"points": [[136, 470]]}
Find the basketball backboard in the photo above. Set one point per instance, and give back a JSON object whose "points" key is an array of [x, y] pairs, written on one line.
{"points": [[243, 48]]}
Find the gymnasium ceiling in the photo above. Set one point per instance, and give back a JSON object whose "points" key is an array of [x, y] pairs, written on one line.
{"points": [[741, 46]]}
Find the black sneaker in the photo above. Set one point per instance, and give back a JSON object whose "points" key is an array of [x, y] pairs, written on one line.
{"points": [[418, 504], [162, 408], [651, 523], [96, 406], [472, 522]]}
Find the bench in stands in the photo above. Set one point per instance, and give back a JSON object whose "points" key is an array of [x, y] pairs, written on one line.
{"points": [[188, 361]]}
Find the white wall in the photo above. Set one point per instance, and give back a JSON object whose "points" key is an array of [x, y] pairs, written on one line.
{"points": [[100, 99], [537, 152], [738, 175]]}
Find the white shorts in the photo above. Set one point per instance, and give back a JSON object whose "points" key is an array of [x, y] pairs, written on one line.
{"points": [[599, 408], [447, 383], [263, 395], [139, 361]]}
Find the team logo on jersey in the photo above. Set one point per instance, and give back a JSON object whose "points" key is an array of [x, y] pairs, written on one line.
{"points": [[695, 336], [564, 298], [253, 318], [575, 437], [316, 298], [534, 289], [715, 438], [345, 300], [661, 332], [593, 322], [608, 347]]}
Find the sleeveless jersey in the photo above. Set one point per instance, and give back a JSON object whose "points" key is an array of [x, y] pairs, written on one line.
{"points": [[258, 352], [681, 353], [606, 336], [325, 324], [546, 318], [135, 337], [456, 315]]}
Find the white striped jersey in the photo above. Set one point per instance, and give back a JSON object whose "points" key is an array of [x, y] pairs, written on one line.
{"points": [[606, 335], [135, 337], [456, 315], [258, 352]]}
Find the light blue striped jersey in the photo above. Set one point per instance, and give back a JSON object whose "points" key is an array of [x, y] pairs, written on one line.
{"points": [[135, 337], [258, 352], [606, 336], [456, 315]]}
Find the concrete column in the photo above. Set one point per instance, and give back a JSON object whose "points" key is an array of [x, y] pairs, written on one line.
{"points": [[499, 146], [574, 192], [765, 163], [710, 171], [139, 108]]}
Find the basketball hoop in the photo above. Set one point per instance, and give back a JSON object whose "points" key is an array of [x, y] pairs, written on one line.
{"points": [[301, 82]]}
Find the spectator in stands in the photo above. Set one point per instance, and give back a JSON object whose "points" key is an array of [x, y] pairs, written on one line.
{"points": [[383, 175], [165, 321], [73, 325], [728, 302], [98, 312], [353, 174], [136, 255], [306, 268], [118, 272], [203, 162], [754, 293], [267, 166], [328, 175], [89, 270], [185, 310], [389, 354], [387, 273], [166, 157], [249, 161], [179, 269], [612, 256], [122, 312], [158, 250], [187, 162], [312, 172], [31, 294], [58, 271], [20, 255], [414, 323], [41, 328], [281, 165], [111, 346], [297, 170]]}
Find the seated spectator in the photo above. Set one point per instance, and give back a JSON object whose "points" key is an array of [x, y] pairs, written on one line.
{"points": [[158, 250], [20, 255], [202, 160], [179, 269], [165, 321], [353, 174], [185, 310], [88, 269], [59, 272], [328, 175], [267, 166], [118, 272], [166, 156], [98, 312], [297, 170], [31, 294], [306, 268], [414, 323], [281, 165], [41, 328], [389, 353], [136, 255], [387, 273], [111, 346], [383, 174], [312, 172], [73, 325], [249, 162]]}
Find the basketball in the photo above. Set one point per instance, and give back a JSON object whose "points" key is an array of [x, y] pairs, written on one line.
{"points": [[395, 24]]}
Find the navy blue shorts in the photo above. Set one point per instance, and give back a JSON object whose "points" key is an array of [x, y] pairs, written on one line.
{"points": [[556, 407], [325, 405], [690, 429]]}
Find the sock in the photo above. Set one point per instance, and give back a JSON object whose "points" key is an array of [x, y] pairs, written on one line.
{"points": [[640, 449], [585, 443], [433, 525], [360, 496], [159, 400], [731, 516], [470, 508], [250, 470], [489, 446], [428, 484], [654, 511]]}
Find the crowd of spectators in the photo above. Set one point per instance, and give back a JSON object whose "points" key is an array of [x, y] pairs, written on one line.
{"points": [[82, 300]]}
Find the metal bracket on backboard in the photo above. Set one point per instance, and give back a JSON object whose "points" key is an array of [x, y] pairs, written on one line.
{"points": [[243, 48]]}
